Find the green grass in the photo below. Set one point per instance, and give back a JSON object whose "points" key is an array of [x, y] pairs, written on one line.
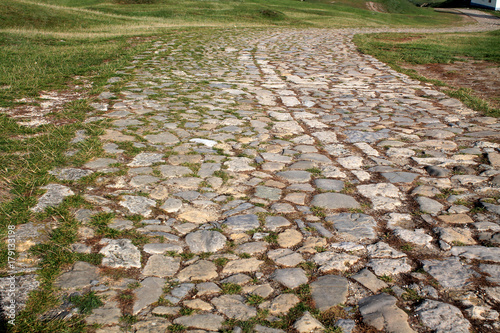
{"points": [[399, 50], [32, 63]]}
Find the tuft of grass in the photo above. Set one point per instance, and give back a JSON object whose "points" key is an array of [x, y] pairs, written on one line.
{"points": [[86, 303], [230, 288]]}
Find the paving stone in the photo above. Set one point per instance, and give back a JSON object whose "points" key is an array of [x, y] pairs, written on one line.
{"points": [[146, 159], [109, 314], [120, 253], [381, 312], [200, 271], [477, 252], [70, 173], [161, 266], [289, 238], [389, 266], [242, 223], [242, 266], [172, 205], [138, 205], [233, 306], [270, 193], [205, 241], [355, 226], [150, 290], [162, 138], [329, 184], [209, 322], [80, 276], [429, 206], [307, 323], [53, 197], [295, 176], [442, 317], [329, 261], [282, 304], [290, 277], [369, 280], [450, 272], [328, 291], [334, 201]]}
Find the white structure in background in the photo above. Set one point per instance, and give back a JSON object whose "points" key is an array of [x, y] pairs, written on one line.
{"points": [[490, 4]]}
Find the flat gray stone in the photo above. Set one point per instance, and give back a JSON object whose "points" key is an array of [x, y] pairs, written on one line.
{"points": [[138, 205], [442, 317], [161, 266], [347, 325], [201, 270], [329, 261], [209, 322], [173, 171], [290, 277], [369, 280], [450, 272], [354, 227], [369, 137], [239, 164], [146, 159], [435, 171], [381, 312], [295, 176], [150, 290], [162, 138], [100, 163], [70, 173], [493, 272], [400, 177], [386, 266], [329, 184], [334, 201], [266, 192], [79, 277], [172, 205], [428, 205], [53, 197], [150, 325], [273, 223], [477, 252], [205, 241], [242, 223], [120, 253], [328, 291], [109, 314], [233, 306], [307, 323]]}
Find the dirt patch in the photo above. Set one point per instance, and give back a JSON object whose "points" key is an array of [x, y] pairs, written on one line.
{"points": [[375, 7], [5, 195], [481, 76]]}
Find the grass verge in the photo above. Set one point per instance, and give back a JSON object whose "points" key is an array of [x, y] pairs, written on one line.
{"points": [[398, 50]]}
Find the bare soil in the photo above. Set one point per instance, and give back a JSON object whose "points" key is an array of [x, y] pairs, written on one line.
{"points": [[481, 76], [375, 7]]}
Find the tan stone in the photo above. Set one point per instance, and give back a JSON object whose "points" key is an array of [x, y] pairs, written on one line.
{"points": [[242, 265], [198, 216], [289, 238], [117, 136], [456, 218], [198, 304], [199, 271]]}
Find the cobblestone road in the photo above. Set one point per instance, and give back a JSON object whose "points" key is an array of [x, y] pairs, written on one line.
{"points": [[277, 167]]}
